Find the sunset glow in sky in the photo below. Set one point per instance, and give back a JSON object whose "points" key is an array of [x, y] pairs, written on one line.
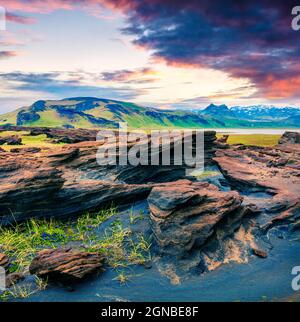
{"points": [[166, 54]]}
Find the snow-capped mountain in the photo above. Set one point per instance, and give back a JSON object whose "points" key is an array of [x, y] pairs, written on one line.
{"points": [[264, 111]]}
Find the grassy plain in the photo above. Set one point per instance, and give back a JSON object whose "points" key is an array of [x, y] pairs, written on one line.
{"points": [[27, 140], [253, 139]]}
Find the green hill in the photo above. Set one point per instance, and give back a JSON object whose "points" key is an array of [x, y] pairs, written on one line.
{"points": [[93, 113]]}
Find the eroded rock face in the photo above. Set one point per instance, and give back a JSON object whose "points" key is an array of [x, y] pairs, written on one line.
{"points": [[68, 180], [207, 227], [275, 171], [184, 214], [65, 264]]}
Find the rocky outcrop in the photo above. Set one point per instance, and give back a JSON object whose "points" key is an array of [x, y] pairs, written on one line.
{"points": [[184, 215], [59, 183], [198, 228], [205, 227], [65, 264], [11, 140], [272, 170], [68, 180], [290, 138], [58, 135], [50, 192]]}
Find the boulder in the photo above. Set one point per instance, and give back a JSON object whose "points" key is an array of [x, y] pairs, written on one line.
{"points": [[184, 215], [260, 253], [66, 264], [290, 138]]}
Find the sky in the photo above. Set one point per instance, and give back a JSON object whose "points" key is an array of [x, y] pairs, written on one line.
{"points": [[161, 53]]}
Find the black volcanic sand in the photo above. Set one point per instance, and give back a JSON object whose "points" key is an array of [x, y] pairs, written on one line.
{"points": [[260, 280]]}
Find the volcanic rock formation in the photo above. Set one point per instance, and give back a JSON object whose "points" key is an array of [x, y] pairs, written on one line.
{"points": [[65, 264], [68, 180], [185, 214], [271, 170]]}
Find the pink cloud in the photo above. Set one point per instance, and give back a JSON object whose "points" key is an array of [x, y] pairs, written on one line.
{"points": [[19, 19], [37, 6], [7, 54]]}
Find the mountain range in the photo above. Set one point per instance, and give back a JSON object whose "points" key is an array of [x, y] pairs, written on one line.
{"points": [[90, 112]]}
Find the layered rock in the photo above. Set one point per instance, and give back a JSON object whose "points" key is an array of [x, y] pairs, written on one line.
{"points": [[272, 170], [184, 215], [198, 228], [65, 264], [68, 180]]}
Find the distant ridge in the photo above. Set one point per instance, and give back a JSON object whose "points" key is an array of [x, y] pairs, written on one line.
{"points": [[93, 113]]}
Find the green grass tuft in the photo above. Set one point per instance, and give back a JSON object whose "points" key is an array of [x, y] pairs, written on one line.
{"points": [[119, 245]]}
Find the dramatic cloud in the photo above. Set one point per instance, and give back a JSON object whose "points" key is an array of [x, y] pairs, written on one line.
{"points": [[252, 39], [246, 39]]}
